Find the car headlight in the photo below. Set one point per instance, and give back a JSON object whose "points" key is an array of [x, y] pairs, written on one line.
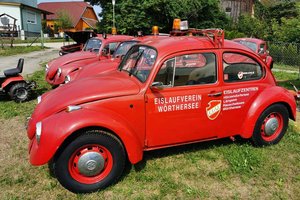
{"points": [[39, 99], [38, 131], [47, 68], [58, 72], [67, 79]]}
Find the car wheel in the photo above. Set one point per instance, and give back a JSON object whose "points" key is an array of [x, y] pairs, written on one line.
{"points": [[271, 125], [51, 167], [19, 92], [93, 161]]}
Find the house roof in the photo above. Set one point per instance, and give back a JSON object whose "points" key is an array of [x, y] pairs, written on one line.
{"points": [[26, 6], [74, 8]]}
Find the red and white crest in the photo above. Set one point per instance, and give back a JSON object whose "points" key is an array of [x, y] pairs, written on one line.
{"points": [[213, 109], [240, 75]]}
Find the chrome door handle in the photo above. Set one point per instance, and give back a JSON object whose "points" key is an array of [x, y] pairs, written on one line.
{"points": [[216, 94]]}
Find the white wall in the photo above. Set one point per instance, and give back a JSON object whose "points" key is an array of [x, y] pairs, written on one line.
{"points": [[13, 11]]}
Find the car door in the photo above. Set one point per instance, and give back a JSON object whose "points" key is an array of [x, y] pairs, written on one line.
{"points": [[184, 101], [242, 78]]}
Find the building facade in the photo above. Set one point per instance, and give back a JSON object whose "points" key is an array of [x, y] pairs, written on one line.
{"points": [[26, 13], [82, 14], [235, 8]]}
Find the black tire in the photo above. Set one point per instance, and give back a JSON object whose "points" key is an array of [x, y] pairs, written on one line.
{"points": [[19, 92], [51, 167], [102, 170], [271, 125]]}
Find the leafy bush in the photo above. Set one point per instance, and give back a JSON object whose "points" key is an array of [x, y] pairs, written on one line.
{"points": [[234, 34]]}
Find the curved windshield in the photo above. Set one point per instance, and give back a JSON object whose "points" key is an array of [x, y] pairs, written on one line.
{"points": [[93, 45], [123, 48], [139, 62]]}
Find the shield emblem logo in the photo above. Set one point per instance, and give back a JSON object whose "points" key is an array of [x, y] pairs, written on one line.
{"points": [[213, 109], [240, 75]]}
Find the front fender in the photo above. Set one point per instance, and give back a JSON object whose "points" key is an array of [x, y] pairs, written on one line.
{"points": [[12, 79], [58, 127], [265, 99]]}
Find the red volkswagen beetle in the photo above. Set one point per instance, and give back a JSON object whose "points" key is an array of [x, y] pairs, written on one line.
{"points": [[95, 49], [258, 46], [102, 65], [166, 92]]}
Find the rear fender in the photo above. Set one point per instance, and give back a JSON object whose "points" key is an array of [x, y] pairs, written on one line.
{"points": [[67, 124], [268, 97], [10, 80], [269, 62]]}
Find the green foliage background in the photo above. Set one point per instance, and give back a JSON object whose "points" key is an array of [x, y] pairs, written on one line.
{"points": [[275, 20], [132, 15]]}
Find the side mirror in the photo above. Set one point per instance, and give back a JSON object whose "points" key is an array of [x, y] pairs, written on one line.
{"points": [[261, 51], [156, 86]]}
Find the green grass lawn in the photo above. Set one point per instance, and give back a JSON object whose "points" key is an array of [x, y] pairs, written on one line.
{"points": [[219, 169], [10, 51]]}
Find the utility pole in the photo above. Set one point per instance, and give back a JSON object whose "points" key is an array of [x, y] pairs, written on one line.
{"points": [[114, 30]]}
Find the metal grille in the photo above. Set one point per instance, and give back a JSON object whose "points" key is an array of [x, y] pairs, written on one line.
{"points": [[285, 53]]}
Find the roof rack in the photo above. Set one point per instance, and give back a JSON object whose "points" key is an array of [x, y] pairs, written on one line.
{"points": [[216, 36]]}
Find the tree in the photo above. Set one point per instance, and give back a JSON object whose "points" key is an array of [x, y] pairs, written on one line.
{"points": [[132, 16], [287, 31], [64, 20], [252, 27], [274, 20]]}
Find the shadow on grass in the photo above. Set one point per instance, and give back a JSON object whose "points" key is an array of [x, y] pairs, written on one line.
{"points": [[188, 148], [4, 98]]}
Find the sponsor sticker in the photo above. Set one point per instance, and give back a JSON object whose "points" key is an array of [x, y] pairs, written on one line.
{"points": [[240, 75], [213, 109]]}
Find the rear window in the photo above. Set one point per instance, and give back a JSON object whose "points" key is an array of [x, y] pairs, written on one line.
{"points": [[239, 67]]}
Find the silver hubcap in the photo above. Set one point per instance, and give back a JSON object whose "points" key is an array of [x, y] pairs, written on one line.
{"points": [[91, 164], [21, 93], [271, 126]]}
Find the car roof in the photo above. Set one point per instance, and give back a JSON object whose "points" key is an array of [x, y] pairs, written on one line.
{"points": [[114, 37], [166, 45]]}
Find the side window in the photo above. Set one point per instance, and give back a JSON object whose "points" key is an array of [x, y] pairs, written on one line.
{"points": [[238, 67], [188, 69], [112, 47], [165, 74]]}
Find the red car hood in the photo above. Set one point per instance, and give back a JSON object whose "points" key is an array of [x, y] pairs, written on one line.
{"points": [[66, 59], [97, 68], [103, 86]]}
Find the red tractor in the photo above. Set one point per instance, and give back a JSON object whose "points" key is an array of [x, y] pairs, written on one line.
{"points": [[14, 85]]}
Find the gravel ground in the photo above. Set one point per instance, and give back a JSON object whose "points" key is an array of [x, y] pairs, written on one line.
{"points": [[32, 60]]}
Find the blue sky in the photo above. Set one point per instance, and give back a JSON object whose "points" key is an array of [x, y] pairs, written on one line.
{"points": [[96, 8]]}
